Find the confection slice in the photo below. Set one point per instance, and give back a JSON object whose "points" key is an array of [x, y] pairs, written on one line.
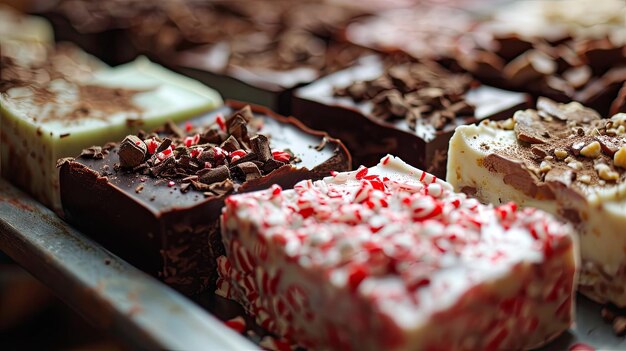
{"points": [[154, 199], [409, 109], [563, 50], [390, 258], [562, 158], [55, 110], [273, 47], [424, 31]]}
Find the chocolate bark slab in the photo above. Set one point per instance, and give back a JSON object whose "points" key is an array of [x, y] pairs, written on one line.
{"points": [[564, 50], [253, 51], [47, 119], [151, 218], [565, 159], [267, 60], [375, 117]]}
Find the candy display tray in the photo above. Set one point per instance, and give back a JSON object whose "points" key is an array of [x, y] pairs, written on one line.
{"points": [[146, 314]]}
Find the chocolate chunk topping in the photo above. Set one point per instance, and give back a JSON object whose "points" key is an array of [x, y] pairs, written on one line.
{"points": [[261, 147], [567, 112], [528, 127], [247, 171], [214, 175], [212, 136], [189, 159], [420, 93], [132, 152], [230, 144]]}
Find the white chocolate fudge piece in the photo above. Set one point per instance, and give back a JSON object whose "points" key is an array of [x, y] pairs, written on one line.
{"points": [[390, 258], [564, 159], [42, 123]]}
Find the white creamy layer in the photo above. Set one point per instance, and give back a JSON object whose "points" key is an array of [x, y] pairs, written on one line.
{"points": [[601, 232], [37, 134]]}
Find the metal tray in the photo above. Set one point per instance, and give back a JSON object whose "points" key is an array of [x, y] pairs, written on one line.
{"points": [[145, 313]]}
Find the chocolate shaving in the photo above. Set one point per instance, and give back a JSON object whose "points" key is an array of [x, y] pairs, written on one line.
{"points": [[247, 171], [420, 93], [212, 136], [231, 144], [163, 166], [94, 152], [251, 156], [217, 174], [171, 127], [164, 145], [271, 165]]}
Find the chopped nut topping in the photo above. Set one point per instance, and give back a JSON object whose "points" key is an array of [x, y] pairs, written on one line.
{"points": [[560, 153], [619, 159], [605, 172], [585, 178], [592, 150], [544, 167]]}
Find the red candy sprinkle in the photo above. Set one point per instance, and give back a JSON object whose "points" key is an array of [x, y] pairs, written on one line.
{"points": [[221, 123], [237, 324], [238, 153], [281, 156], [152, 145], [171, 183], [361, 172], [356, 275], [188, 126]]}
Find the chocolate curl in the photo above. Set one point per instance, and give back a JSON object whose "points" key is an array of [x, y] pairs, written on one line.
{"points": [[247, 171], [231, 144], [238, 127], [261, 147], [132, 152], [214, 175], [271, 165], [245, 113], [212, 136]]}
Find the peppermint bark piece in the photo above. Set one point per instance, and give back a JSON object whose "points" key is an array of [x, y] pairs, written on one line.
{"points": [[564, 159], [390, 258]]}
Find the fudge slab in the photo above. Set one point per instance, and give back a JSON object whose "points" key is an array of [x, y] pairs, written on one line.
{"points": [[162, 214], [377, 98], [564, 159], [44, 122], [390, 258]]}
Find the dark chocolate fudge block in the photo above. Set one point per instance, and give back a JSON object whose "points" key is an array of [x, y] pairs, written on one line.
{"points": [[155, 199], [403, 108]]}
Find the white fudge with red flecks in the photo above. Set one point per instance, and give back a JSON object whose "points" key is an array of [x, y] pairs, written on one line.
{"points": [[390, 258]]}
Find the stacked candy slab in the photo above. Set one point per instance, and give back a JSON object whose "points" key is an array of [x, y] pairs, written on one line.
{"points": [[390, 258]]}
